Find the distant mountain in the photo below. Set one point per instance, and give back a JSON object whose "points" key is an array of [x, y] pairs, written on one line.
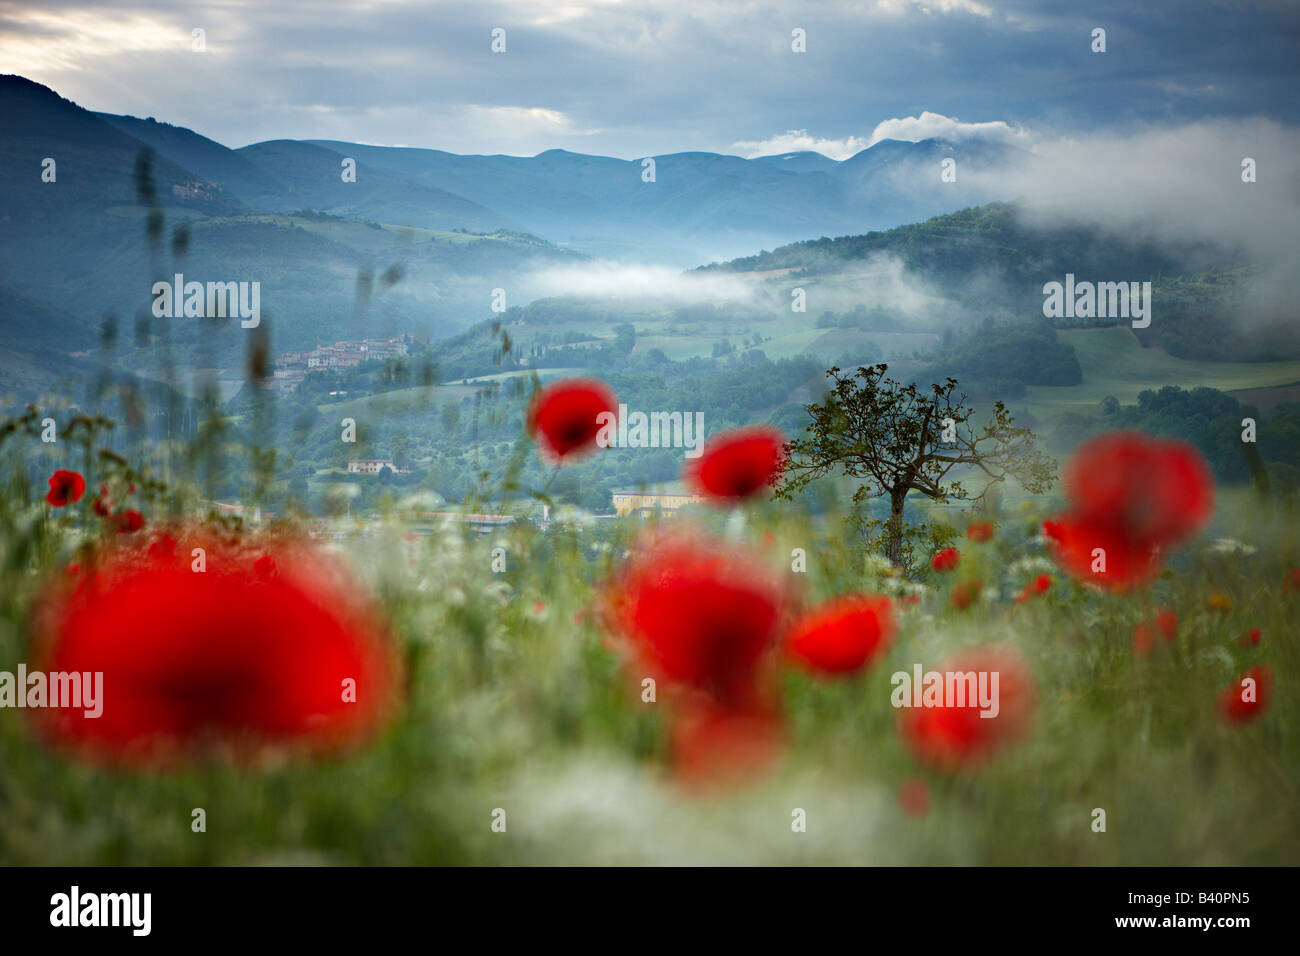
{"points": [[701, 206], [133, 201], [127, 202], [285, 176]]}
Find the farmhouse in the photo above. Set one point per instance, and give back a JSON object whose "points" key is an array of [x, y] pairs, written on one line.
{"points": [[370, 466], [665, 498]]}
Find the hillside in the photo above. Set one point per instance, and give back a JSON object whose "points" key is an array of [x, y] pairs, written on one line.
{"points": [[135, 201]]}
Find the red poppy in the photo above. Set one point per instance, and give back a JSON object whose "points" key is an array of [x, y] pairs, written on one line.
{"points": [[738, 464], [966, 593], [844, 635], [1251, 639], [946, 560], [1038, 585], [1165, 623], [66, 487], [698, 616], [954, 737], [563, 416], [1155, 489], [128, 521], [980, 531], [1130, 496], [1142, 640], [1291, 581], [102, 507], [1102, 554], [1242, 701], [718, 746], [223, 657], [163, 548], [914, 798]]}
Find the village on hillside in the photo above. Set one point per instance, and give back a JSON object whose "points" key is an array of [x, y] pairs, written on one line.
{"points": [[293, 367]]}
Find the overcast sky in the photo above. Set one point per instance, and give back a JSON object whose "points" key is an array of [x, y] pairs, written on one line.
{"points": [[635, 78]]}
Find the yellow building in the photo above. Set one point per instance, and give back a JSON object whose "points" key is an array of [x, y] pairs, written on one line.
{"points": [[653, 499]]}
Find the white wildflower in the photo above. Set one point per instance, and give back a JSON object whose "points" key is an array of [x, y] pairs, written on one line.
{"points": [[1230, 546]]}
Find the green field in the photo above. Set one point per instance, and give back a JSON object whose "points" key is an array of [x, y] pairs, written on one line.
{"points": [[1114, 363]]}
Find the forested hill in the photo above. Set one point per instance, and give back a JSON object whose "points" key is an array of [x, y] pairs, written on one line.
{"points": [[991, 261], [993, 238]]}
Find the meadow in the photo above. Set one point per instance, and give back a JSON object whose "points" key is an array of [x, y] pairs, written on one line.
{"points": [[516, 706], [1115, 363]]}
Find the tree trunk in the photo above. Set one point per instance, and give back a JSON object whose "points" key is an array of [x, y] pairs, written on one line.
{"points": [[894, 531]]}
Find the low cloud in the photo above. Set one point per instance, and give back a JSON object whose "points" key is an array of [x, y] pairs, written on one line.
{"points": [[611, 280], [1171, 185], [799, 140], [929, 125]]}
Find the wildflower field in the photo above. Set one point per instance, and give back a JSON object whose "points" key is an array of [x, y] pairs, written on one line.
{"points": [[718, 686]]}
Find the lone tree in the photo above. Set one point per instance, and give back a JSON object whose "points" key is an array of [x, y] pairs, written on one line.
{"points": [[901, 439]]}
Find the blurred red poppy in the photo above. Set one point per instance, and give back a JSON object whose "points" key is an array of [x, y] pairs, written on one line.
{"points": [[1248, 696], [1142, 639], [980, 531], [698, 615], [1155, 489], [738, 464], [958, 738], [914, 798], [1167, 623], [1130, 496], [562, 416], [66, 487], [844, 635], [946, 560], [966, 593], [954, 737], [1102, 554], [163, 547], [223, 657], [1038, 585], [1251, 639], [128, 521], [715, 746]]}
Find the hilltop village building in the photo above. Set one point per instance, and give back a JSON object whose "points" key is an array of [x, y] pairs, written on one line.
{"points": [[645, 501], [293, 367], [372, 466]]}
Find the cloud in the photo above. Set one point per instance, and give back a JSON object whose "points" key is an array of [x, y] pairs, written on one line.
{"points": [[799, 140], [1173, 184], [929, 125], [930, 7], [35, 42], [611, 280], [1178, 182], [635, 78], [912, 129]]}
